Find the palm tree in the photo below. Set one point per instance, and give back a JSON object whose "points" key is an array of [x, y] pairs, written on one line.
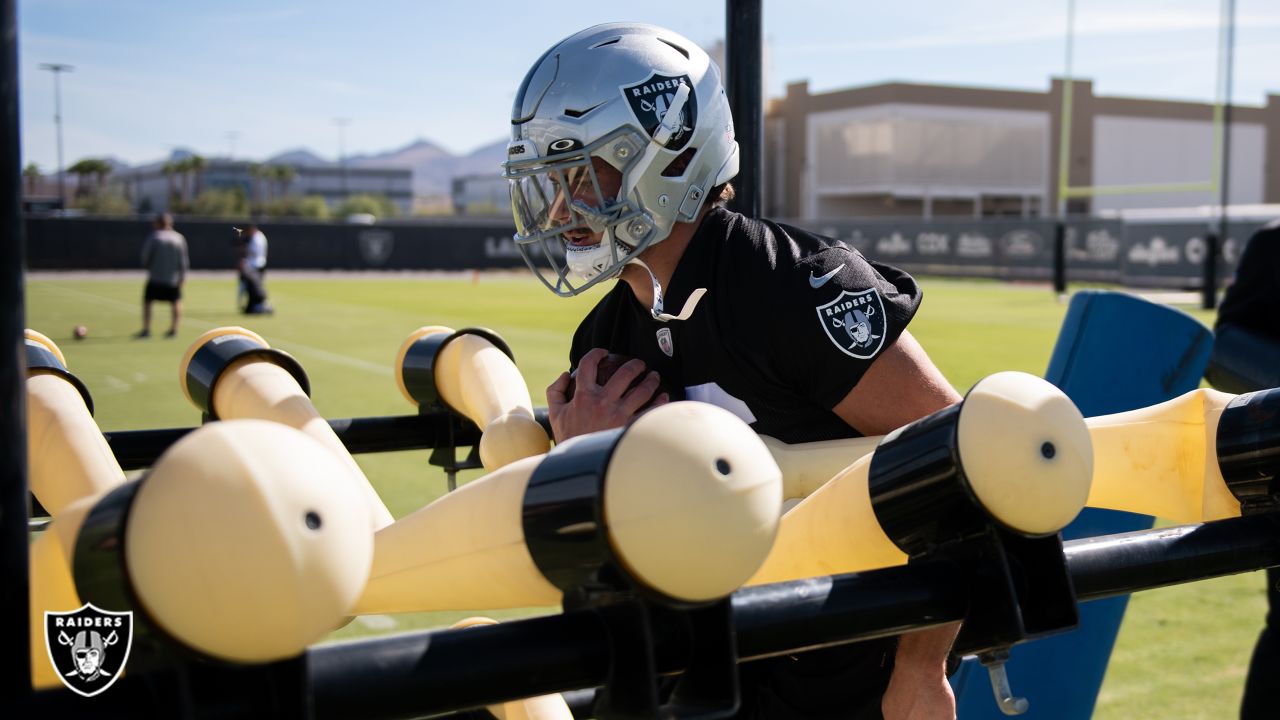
{"points": [[170, 168], [257, 173], [284, 176], [95, 168], [31, 173], [197, 164]]}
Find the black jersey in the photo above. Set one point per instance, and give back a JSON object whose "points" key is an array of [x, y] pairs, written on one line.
{"points": [[1253, 299], [788, 325]]}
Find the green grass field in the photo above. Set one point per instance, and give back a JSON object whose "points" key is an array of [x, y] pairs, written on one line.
{"points": [[1182, 651]]}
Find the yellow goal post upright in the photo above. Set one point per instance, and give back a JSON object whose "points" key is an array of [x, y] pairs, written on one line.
{"points": [[1217, 184]]}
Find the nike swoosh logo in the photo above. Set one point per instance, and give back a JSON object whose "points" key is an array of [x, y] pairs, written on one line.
{"points": [[819, 281]]}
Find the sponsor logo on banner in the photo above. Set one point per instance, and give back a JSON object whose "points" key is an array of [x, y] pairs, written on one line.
{"points": [[1196, 250], [1021, 244], [933, 243], [974, 245], [88, 647], [376, 246], [894, 244], [855, 323], [500, 247], [1156, 252]]}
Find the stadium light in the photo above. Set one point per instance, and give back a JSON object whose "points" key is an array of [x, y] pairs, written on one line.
{"points": [[57, 69]]}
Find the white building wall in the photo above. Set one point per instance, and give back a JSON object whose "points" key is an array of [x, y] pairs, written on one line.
{"points": [[1144, 151], [921, 151]]}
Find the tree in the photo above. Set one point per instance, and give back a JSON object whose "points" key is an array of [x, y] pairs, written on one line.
{"points": [[225, 203], [31, 173], [95, 168], [197, 165], [283, 175], [170, 169], [312, 207], [376, 205]]}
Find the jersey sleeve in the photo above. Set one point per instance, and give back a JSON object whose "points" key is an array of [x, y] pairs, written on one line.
{"points": [[841, 312]]}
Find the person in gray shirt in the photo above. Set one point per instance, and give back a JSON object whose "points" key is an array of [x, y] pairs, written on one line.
{"points": [[164, 255]]}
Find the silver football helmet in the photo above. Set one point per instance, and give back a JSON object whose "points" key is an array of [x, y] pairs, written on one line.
{"points": [[637, 99]]}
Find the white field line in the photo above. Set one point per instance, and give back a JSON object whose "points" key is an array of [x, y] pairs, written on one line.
{"points": [[296, 347]]}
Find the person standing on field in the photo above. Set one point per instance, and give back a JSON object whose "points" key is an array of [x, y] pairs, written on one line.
{"points": [[164, 255]]}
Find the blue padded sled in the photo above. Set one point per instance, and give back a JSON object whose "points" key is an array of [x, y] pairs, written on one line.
{"points": [[1115, 352]]}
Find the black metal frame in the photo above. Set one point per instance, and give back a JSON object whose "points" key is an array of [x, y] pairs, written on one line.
{"points": [[426, 673]]}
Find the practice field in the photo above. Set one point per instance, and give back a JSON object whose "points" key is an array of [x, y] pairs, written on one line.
{"points": [[1182, 651]]}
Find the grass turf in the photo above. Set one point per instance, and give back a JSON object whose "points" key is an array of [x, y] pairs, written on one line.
{"points": [[1182, 651]]}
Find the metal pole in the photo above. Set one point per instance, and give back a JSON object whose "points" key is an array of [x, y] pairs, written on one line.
{"points": [[13, 408], [1060, 257], [746, 96], [342, 152], [1209, 301], [57, 69], [432, 672]]}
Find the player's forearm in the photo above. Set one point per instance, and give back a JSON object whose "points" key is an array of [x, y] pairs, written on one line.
{"points": [[925, 651]]}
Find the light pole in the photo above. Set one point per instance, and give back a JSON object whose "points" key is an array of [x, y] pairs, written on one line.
{"points": [[57, 69], [342, 124], [231, 140]]}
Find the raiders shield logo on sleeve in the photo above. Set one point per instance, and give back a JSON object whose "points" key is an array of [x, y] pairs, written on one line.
{"points": [[650, 99], [855, 322], [88, 647]]}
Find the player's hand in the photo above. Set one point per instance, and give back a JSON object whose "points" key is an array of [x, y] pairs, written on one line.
{"points": [[597, 406]]}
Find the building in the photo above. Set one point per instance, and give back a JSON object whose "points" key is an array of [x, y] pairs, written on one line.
{"points": [[150, 186], [908, 150]]}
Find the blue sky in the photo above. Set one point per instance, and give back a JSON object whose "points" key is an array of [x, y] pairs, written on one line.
{"points": [[153, 75]]}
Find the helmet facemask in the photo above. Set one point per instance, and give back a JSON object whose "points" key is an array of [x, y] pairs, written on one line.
{"points": [[562, 196]]}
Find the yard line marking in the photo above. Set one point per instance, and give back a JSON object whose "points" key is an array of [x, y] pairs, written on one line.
{"points": [[294, 347]]}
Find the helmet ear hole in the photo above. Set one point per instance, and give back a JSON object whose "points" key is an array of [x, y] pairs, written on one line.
{"points": [[677, 167]]}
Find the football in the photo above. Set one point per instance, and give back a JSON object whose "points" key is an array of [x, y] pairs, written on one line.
{"points": [[605, 370]]}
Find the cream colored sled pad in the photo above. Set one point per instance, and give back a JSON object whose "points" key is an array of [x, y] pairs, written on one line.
{"points": [[479, 381], [255, 388], [677, 523], [543, 707], [67, 456], [246, 542], [1160, 460], [1006, 419]]}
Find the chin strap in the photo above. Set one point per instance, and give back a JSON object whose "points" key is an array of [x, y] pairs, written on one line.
{"points": [[656, 310]]}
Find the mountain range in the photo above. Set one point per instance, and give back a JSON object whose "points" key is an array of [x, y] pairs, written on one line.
{"points": [[433, 167]]}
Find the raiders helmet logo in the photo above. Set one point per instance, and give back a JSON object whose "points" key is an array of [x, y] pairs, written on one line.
{"points": [[88, 647], [649, 101], [855, 322]]}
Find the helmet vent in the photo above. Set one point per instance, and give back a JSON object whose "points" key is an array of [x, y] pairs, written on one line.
{"points": [[602, 43], [579, 113], [676, 47]]}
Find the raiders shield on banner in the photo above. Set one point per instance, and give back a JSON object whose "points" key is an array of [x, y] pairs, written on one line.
{"points": [[650, 100], [88, 647], [855, 322]]}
